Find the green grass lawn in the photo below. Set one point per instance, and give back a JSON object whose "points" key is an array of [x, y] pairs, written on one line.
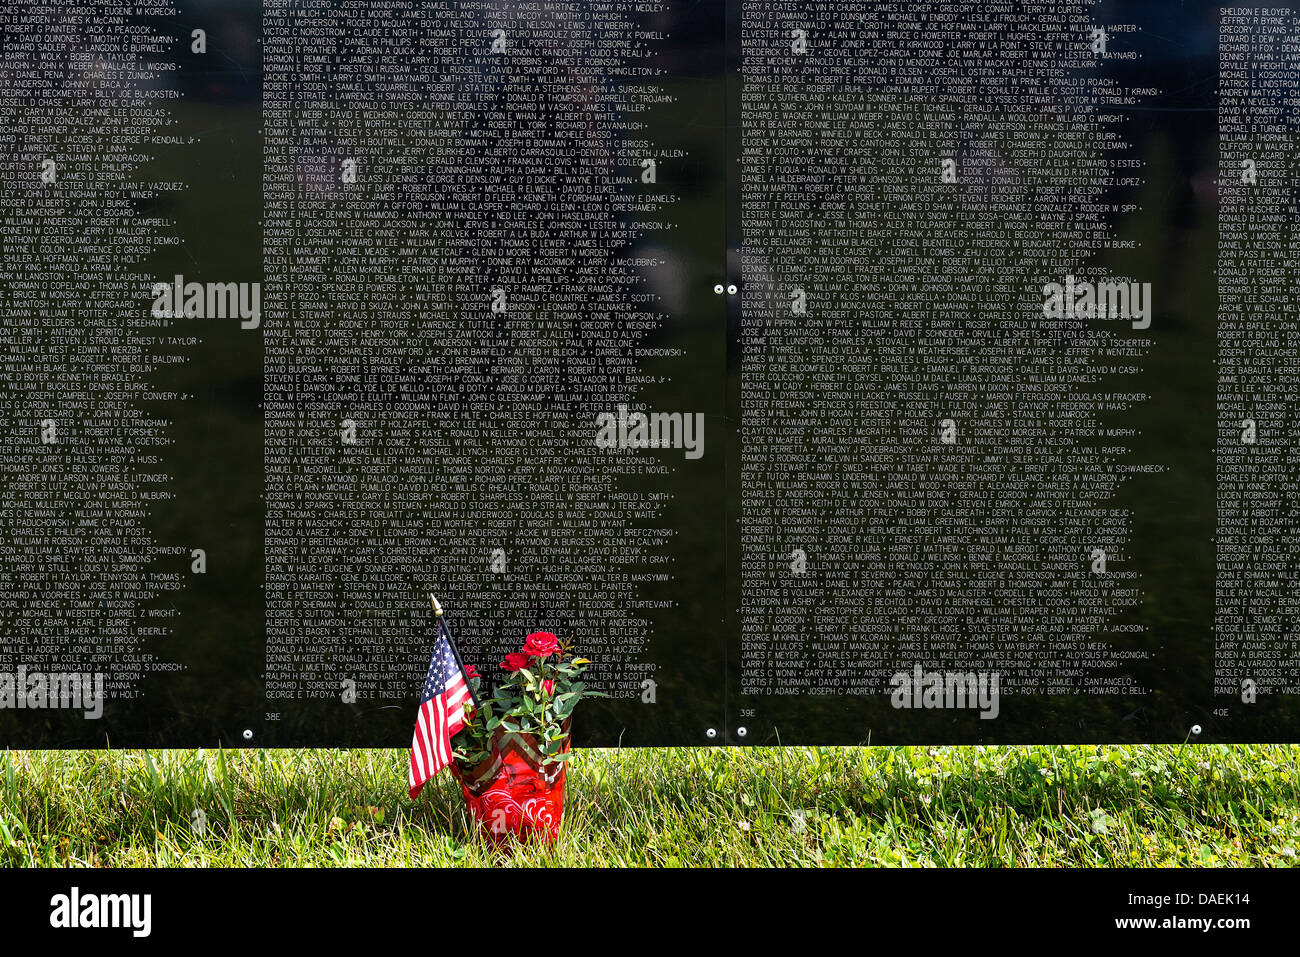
{"points": [[1108, 806]]}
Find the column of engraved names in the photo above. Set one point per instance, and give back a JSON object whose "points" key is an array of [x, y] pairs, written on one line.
{"points": [[83, 436], [926, 475], [1258, 539], [451, 196]]}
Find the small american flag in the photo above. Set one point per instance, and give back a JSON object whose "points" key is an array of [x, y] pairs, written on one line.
{"points": [[442, 713]]}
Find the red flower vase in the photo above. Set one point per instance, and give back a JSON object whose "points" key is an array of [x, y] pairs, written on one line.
{"points": [[512, 792]]}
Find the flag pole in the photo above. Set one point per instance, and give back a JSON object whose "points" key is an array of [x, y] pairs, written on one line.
{"points": [[442, 623]]}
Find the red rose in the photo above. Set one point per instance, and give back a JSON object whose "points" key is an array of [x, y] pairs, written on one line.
{"points": [[541, 644], [470, 672], [514, 661], [549, 685]]}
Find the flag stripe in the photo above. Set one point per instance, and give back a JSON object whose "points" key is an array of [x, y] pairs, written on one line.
{"points": [[441, 714], [426, 740]]}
